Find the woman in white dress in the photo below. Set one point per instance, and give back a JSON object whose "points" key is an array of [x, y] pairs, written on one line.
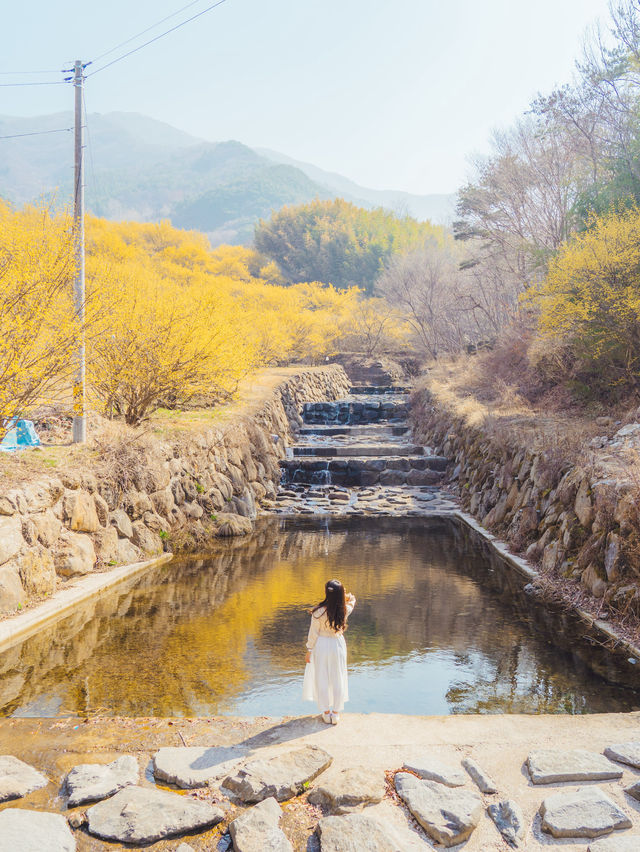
{"points": [[325, 675]]}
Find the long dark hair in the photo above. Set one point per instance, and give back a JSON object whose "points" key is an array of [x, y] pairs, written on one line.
{"points": [[335, 604]]}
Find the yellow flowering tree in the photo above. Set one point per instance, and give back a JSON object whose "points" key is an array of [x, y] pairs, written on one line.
{"points": [[589, 305], [38, 327]]}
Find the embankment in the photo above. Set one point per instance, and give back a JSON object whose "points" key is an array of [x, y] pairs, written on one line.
{"points": [[577, 521], [132, 497]]}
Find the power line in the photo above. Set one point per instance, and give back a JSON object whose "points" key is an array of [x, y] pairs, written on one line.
{"points": [[50, 83], [148, 29], [19, 73], [151, 41], [38, 133]]}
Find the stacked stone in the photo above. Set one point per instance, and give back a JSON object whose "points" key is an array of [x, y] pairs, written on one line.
{"points": [[64, 526], [567, 518]]}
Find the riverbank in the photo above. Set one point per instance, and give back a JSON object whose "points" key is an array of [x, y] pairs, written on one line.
{"points": [[560, 490], [131, 494], [378, 743]]}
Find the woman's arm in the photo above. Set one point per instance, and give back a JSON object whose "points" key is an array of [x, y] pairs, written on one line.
{"points": [[312, 638], [351, 602]]}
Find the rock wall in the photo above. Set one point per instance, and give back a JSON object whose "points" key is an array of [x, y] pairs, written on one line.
{"points": [[581, 521], [143, 496]]}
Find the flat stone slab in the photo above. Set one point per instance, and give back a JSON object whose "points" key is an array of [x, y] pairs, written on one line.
{"points": [[509, 821], [634, 791], [448, 816], [282, 776], [18, 778], [554, 767], [34, 831], [619, 843], [484, 782], [90, 782], [354, 833], [144, 815], [628, 753], [194, 766], [258, 829], [350, 789], [432, 769], [582, 813]]}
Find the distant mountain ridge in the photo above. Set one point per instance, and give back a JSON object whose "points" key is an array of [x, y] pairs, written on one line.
{"points": [[143, 169]]}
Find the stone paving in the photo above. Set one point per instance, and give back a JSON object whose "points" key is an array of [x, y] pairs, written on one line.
{"points": [[282, 770]]}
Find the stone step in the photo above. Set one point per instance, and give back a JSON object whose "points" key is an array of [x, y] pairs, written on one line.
{"points": [[352, 472], [378, 389], [361, 450], [347, 412], [364, 430]]}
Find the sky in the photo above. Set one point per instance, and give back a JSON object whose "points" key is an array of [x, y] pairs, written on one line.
{"points": [[394, 94]]}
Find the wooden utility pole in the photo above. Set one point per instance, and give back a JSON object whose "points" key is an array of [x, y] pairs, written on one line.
{"points": [[79, 416]]}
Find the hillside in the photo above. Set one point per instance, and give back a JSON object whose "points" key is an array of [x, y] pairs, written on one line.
{"points": [[145, 170]]}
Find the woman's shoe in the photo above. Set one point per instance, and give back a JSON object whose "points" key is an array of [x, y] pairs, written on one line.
{"points": [[335, 718], [326, 717]]}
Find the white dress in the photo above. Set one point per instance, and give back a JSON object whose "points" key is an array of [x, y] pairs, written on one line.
{"points": [[325, 677]]}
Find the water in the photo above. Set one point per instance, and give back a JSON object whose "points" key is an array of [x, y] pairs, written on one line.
{"points": [[439, 628]]}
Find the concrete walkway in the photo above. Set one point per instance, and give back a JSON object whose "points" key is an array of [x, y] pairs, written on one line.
{"points": [[499, 744]]}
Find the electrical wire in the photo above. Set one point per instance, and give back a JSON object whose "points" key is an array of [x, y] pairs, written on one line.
{"points": [[156, 38], [145, 31], [19, 73], [50, 83], [37, 133]]}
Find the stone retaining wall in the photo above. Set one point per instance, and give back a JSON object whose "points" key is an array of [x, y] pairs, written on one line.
{"points": [[576, 520], [148, 495]]}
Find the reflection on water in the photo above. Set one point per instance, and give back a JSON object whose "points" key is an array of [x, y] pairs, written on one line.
{"points": [[438, 629]]}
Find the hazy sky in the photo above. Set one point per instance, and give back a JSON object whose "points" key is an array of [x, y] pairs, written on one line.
{"points": [[391, 93]]}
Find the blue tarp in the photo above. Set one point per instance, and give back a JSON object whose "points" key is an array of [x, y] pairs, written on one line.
{"points": [[22, 434]]}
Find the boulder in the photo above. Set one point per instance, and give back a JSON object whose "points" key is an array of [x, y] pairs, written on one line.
{"points": [[127, 553], [347, 790], [231, 525], [484, 783], [148, 542], [553, 766], [42, 495], [282, 776], [18, 778], [102, 509], [449, 816], [619, 843], [628, 753], [121, 523], [37, 572], [34, 831], [144, 815], [583, 507], [194, 766], [89, 782], [509, 821], [80, 510], [105, 542], [11, 540], [258, 829], [587, 812], [12, 594], [163, 502], [74, 554], [355, 833], [432, 769], [47, 527]]}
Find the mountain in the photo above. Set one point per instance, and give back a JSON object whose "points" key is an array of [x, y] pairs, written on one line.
{"points": [[439, 208], [143, 169]]}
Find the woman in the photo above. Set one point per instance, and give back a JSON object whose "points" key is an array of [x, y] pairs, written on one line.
{"points": [[325, 676]]}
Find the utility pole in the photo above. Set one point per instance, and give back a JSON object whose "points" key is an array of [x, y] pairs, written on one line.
{"points": [[79, 416]]}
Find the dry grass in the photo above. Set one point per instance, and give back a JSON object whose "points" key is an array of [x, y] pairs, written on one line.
{"points": [[114, 443]]}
